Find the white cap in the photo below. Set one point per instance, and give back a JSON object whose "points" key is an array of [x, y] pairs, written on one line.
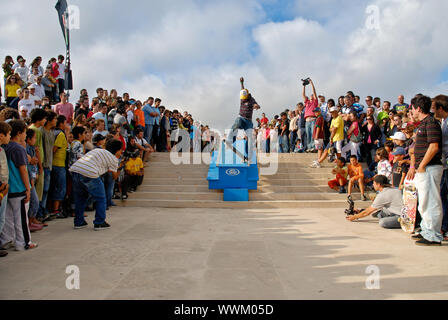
{"points": [[333, 109], [399, 136]]}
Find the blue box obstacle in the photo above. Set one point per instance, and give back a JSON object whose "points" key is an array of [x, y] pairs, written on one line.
{"points": [[229, 171]]}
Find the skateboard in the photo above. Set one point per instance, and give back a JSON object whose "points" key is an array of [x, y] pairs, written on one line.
{"points": [[409, 210]]}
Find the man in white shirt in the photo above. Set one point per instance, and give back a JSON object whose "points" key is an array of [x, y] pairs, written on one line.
{"points": [[26, 104], [86, 176], [39, 88], [22, 70]]}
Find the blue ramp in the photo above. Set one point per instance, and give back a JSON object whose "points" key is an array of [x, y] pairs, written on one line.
{"points": [[230, 172]]}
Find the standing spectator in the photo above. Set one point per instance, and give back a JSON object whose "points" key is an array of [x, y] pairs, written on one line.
{"points": [[284, 133], [47, 158], [164, 136], [33, 172], [64, 108], [61, 75], [293, 129], [38, 119], [15, 230], [150, 119], [354, 136], [40, 89], [5, 135], [58, 173], [401, 107], [428, 173], [372, 136], [49, 85], [399, 168], [83, 107], [76, 149], [86, 173], [310, 119], [440, 104], [318, 132]]}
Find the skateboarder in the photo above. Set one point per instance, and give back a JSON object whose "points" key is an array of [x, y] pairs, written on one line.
{"points": [[387, 205], [248, 104]]}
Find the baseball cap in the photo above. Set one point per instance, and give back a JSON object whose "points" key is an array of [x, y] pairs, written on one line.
{"points": [[98, 137], [333, 109], [399, 136], [244, 94], [399, 151], [316, 110]]}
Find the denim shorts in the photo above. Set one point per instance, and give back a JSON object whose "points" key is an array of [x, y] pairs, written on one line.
{"points": [[58, 183], [242, 123]]}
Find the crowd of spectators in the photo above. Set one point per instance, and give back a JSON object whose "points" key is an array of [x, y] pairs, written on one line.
{"points": [[384, 146], [58, 160]]}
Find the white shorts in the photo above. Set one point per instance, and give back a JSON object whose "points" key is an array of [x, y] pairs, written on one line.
{"points": [[319, 144], [338, 145]]}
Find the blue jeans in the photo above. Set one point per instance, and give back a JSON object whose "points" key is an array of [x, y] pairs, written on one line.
{"points": [[58, 183], [2, 212], [444, 195], [148, 132], [292, 140], [82, 188], [109, 184], [429, 202], [242, 123], [309, 127], [284, 144], [34, 204], [43, 202], [367, 175]]}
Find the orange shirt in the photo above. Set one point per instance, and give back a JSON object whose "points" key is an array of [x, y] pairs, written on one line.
{"points": [[355, 171], [141, 117]]}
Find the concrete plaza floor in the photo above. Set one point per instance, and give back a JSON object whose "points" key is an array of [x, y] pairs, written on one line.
{"points": [[157, 253]]}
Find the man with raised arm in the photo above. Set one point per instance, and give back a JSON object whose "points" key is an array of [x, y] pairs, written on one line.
{"points": [[247, 106], [310, 119]]}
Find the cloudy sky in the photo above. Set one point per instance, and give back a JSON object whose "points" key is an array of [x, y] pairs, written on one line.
{"points": [[191, 53]]}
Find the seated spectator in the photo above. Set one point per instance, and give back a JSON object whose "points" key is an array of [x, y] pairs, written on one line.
{"points": [[64, 108], [299, 146], [340, 171], [100, 128], [134, 170], [356, 177], [16, 232], [389, 146], [387, 205], [98, 141], [143, 145], [26, 104], [11, 88]]}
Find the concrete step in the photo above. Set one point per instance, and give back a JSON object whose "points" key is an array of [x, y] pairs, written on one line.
{"points": [[291, 182], [239, 205], [173, 181], [253, 196]]}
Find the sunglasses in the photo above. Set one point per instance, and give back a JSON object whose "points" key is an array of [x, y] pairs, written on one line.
{"points": [[369, 119]]}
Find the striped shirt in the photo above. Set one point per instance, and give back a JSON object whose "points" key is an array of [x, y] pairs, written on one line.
{"points": [[247, 108], [428, 132], [95, 163]]}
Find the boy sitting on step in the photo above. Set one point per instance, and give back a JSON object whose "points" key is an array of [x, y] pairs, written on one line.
{"points": [[340, 171]]}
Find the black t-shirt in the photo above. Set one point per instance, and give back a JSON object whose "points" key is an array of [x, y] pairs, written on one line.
{"points": [[286, 133], [397, 172]]}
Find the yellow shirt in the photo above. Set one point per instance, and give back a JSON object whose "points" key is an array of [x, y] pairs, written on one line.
{"points": [[12, 90], [338, 123], [60, 154], [133, 166]]}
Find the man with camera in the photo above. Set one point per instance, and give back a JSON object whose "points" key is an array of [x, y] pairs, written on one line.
{"points": [[310, 119], [386, 206]]}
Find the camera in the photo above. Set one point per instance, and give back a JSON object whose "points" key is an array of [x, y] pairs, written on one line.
{"points": [[306, 81], [351, 207]]}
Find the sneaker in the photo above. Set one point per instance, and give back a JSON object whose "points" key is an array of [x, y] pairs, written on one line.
{"points": [[417, 237], [8, 245], [363, 198], [61, 215], [3, 253], [124, 197], [445, 236], [81, 226], [424, 242], [103, 226], [342, 190], [349, 197], [29, 246], [315, 164]]}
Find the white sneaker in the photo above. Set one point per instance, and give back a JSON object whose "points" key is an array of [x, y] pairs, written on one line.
{"points": [[315, 164]]}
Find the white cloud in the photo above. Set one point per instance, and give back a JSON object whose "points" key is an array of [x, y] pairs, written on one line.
{"points": [[192, 53]]}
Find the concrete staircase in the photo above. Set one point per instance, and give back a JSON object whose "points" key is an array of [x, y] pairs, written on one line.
{"points": [[295, 185]]}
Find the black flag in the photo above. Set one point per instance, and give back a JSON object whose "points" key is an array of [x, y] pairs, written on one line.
{"points": [[62, 9]]}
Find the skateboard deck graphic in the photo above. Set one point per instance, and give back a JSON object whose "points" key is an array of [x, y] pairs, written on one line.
{"points": [[409, 211]]}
